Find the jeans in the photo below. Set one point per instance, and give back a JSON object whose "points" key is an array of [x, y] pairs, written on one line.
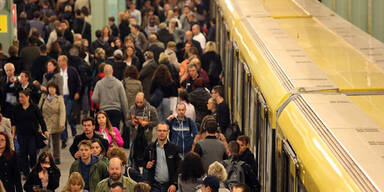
{"points": [[27, 152], [68, 109], [163, 110], [157, 187], [115, 117]]}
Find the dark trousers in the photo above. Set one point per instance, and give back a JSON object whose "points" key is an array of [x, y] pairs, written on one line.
{"points": [[27, 152], [68, 108], [115, 117], [157, 187]]}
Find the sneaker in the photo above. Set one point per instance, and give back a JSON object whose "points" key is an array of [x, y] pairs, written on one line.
{"points": [[63, 145]]}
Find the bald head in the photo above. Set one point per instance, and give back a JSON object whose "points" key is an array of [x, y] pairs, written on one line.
{"points": [[195, 29], [115, 169], [140, 99], [108, 70], [188, 35], [9, 69]]}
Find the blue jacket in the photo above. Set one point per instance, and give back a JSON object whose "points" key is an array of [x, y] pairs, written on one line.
{"points": [[182, 133]]}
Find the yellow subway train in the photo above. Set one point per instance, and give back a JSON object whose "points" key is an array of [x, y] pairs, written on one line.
{"points": [[308, 88]]}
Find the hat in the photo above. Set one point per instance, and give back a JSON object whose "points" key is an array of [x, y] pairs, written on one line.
{"points": [[212, 181]]}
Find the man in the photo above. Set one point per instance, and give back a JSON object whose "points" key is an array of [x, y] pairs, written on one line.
{"points": [[117, 187], [155, 46], [210, 149], [39, 66], [3, 57], [140, 40], [222, 112], [245, 154], [37, 23], [238, 171], [112, 25], [189, 39], [198, 36], [30, 53], [9, 91], [193, 74], [241, 188], [162, 161], [142, 119], [71, 93], [90, 167], [24, 84], [142, 115], [210, 184], [115, 170], [88, 134], [183, 129], [110, 94], [134, 12], [81, 26]]}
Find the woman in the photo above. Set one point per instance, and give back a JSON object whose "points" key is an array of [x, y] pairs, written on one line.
{"points": [[131, 59], [44, 175], [218, 170], [211, 63], [26, 119], [75, 183], [190, 170], [131, 84], [51, 74], [199, 98], [53, 110], [97, 60], [55, 50], [9, 171], [104, 126], [5, 125], [98, 150], [162, 83], [107, 34]]}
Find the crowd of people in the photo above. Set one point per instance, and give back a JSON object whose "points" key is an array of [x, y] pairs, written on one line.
{"points": [[150, 82]]}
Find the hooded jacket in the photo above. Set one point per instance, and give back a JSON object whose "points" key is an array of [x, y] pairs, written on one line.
{"points": [[182, 133], [109, 93]]}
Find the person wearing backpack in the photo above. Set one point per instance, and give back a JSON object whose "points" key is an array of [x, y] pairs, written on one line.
{"points": [[238, 171], [183, 129], [211, 149]]}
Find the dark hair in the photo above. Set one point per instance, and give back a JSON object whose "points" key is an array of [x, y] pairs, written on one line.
{"points": [[98, 33], [43, 48], [211, 127], [132, 72], [13, 50], [191, 167], [233, 147], [193, 50], [183, 94], [8, 152], [85, 11], [36, 14], [85, 142], [96, 140], [88, 119], [52, 83], [54, 62], [219, 90], [244, 139], [111, 18], [27, 74], [243, 187], [162, 76], [108, 124], [26, 92], [41, 159], [117, 184], [78, 12]]}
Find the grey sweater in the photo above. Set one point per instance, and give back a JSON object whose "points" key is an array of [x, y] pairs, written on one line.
{"points": [[109, 93]]}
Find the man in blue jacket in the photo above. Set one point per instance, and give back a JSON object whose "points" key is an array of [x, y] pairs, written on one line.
{"points": [[183, 129]]}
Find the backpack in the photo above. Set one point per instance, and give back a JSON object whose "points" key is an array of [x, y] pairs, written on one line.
{"points": [[235, 172], [232, 132]]}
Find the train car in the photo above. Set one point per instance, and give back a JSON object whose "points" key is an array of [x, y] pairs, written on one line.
{"points": [[308, 88]]}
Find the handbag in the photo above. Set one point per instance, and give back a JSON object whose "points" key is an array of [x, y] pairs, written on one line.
{"points": [[156, 97], [41, 140]]}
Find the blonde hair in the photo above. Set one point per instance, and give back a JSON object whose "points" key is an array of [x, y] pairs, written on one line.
{"points": [[218, 170], [100, 52], [210, 46], [163, 58], [75, 178]]}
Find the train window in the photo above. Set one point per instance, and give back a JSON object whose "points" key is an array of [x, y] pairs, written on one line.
{"points": [[247, 99], [300, 185]]}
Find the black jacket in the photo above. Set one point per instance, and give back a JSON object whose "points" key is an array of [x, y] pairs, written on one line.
{"points": [[33, 179], [39, 68], [78, 138], [27, 121], [250, 175], [74, 81], [211, 63], [199, 99], [10, 174], [248, 157], [172, 155]]}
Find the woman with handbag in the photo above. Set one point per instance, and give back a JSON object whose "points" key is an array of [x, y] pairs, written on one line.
{"points": [[104, 126], [25, 125], [53, 110]]}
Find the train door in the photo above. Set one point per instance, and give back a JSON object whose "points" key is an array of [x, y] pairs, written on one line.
{"points": [[287, 168], [238, 87], [247, 103]]}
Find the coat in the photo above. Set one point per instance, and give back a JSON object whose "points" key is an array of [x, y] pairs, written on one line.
{"points": [[128, 183], [146, 74], [10, 174], [33, 179], [97, 172], [132, 87], [53, 113]]}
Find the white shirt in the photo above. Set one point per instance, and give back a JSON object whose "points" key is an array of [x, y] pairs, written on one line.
{"points": [[64, 74], [201, 39]]}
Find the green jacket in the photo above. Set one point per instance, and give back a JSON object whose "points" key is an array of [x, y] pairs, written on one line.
{"points": [[98, 172], [128, 184]]}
